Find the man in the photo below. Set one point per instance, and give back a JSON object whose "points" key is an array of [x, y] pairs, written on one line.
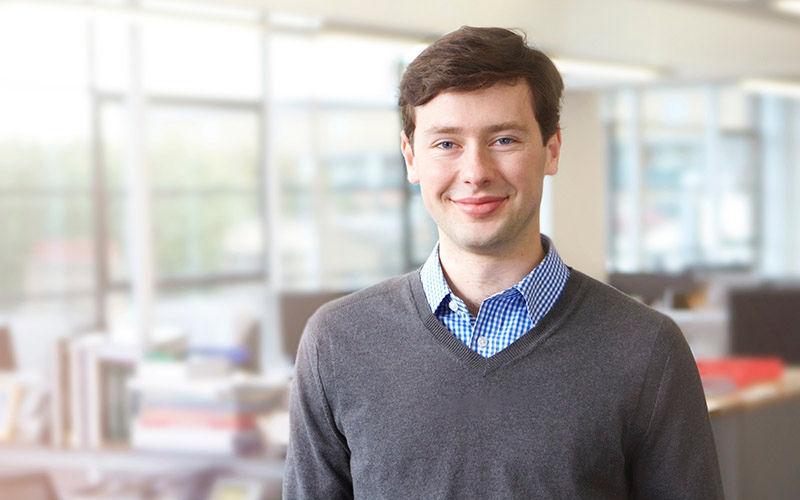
{"points": [[494, 371]]}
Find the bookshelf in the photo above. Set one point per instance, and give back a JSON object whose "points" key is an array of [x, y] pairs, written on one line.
{"points": [[265, 467], [103, 474], [115, 419]]}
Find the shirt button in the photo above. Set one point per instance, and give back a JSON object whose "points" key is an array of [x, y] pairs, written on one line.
{"points": [[453, 305], [482, 341]]}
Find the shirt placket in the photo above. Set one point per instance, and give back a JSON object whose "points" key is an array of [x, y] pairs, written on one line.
{"points": [[481, 334]]}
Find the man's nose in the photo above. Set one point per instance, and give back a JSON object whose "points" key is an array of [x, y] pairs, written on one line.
{"points": [[477, 166]]}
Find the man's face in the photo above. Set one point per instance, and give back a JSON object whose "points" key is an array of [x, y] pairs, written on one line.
{"points": [[480, 163]]}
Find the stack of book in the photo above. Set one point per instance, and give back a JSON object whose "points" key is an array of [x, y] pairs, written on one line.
{"points": [[178, 412], [90, 403]]}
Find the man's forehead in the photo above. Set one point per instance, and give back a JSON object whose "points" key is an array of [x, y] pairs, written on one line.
{"points": [[492, 111], [506, 92], [513, 85]]}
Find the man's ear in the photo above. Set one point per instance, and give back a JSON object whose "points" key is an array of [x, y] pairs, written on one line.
{"points": [[553, 147], [408, 154]]}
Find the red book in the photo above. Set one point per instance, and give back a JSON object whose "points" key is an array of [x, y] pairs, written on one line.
{"points": [[197, 418], [741, 371]]}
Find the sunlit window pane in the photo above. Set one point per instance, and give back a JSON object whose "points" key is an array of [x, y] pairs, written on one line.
{"points": [[40, 47], [204, 171], [47, 244], [683, 177], [335, 68], [112, 52], [193, 147], [674, 107], [206, 210], [202, 59], [44, 139], [200, 233], [342, 205]]}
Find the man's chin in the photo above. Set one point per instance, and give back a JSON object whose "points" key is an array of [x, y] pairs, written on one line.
{"points": [[481, 244]]}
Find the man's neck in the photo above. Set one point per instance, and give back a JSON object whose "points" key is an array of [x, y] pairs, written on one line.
{"points": [[474, 277]]}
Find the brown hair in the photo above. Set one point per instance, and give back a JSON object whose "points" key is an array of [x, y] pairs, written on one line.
{"points": [[476, 58]]}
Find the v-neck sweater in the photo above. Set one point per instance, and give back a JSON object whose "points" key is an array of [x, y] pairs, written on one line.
{"points": [[601, 399]]}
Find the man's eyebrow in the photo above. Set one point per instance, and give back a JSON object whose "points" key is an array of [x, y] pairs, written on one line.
{"points": [[515, 126], [498, 127], [443, 129]]}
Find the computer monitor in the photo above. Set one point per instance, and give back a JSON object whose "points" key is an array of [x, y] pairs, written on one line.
{"points": [[764, 320]]}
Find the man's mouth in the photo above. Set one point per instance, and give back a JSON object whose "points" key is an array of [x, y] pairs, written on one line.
{"points": [[479, 206]]}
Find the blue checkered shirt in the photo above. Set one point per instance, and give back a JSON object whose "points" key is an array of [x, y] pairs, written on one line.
{"points": [[505, 316]]}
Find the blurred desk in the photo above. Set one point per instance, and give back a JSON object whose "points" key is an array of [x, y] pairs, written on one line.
{"points": [[70, 469], [757, 395], [758, 439]]}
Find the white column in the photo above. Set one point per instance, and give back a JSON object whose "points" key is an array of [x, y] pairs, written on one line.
{"points": [[272, 321], [140, 229], [579, 190]]}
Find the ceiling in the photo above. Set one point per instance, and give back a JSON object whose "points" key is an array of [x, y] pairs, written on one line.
{"points": [[695, 40]]}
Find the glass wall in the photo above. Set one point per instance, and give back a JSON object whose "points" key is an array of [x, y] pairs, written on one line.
{"points": [[335, 140], [272, 164], [704, 177]]}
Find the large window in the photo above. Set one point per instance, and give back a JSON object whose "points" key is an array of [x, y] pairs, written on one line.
{"points": [[336, 149], [48, 265], [703, 177], [683, 167], [271, 157], [205, 188]]}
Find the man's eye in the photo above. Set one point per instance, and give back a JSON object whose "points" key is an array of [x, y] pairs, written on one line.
{"points": [[504, 141], [446, 145]]}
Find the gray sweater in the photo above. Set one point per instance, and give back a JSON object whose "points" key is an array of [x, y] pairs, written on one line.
{"points": [[600, 400]]}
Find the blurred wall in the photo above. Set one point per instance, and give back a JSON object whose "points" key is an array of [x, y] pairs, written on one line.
{"points": [[579, 194]]}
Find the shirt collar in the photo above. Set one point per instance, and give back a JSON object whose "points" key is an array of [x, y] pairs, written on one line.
{"points": [[550, 270]]}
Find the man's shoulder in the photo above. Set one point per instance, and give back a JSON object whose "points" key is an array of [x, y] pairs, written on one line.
{"points": [[392, 298], [603, 305], [611, 300], [392, 289]]}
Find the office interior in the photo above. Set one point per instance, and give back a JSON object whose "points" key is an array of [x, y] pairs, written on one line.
{"points": [[183, 182]]}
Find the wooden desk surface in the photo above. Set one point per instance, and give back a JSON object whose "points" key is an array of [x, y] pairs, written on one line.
{"points": [[757, 395]]}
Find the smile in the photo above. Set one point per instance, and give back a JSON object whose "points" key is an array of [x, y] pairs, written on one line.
{"points": [[479, 207]]}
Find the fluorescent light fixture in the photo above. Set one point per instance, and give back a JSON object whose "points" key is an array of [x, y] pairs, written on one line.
{"points": [[788, 6], [135, 14], [295, 21], [784, 88], [202, 10], [604, 71]]}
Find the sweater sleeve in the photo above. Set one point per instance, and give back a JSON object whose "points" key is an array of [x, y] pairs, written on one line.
{"points": [[318, 459], [676, 457]]}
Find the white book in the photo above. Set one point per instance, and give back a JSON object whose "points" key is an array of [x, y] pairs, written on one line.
{"points": [[79, 390], [60, 393], [86, 353], [175, 380], [195, 440]]}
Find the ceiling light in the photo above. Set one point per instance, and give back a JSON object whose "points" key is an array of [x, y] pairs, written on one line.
{"points": [[785, 88], [295, 21], [604, 71], [788, 6], [137, 14]]}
